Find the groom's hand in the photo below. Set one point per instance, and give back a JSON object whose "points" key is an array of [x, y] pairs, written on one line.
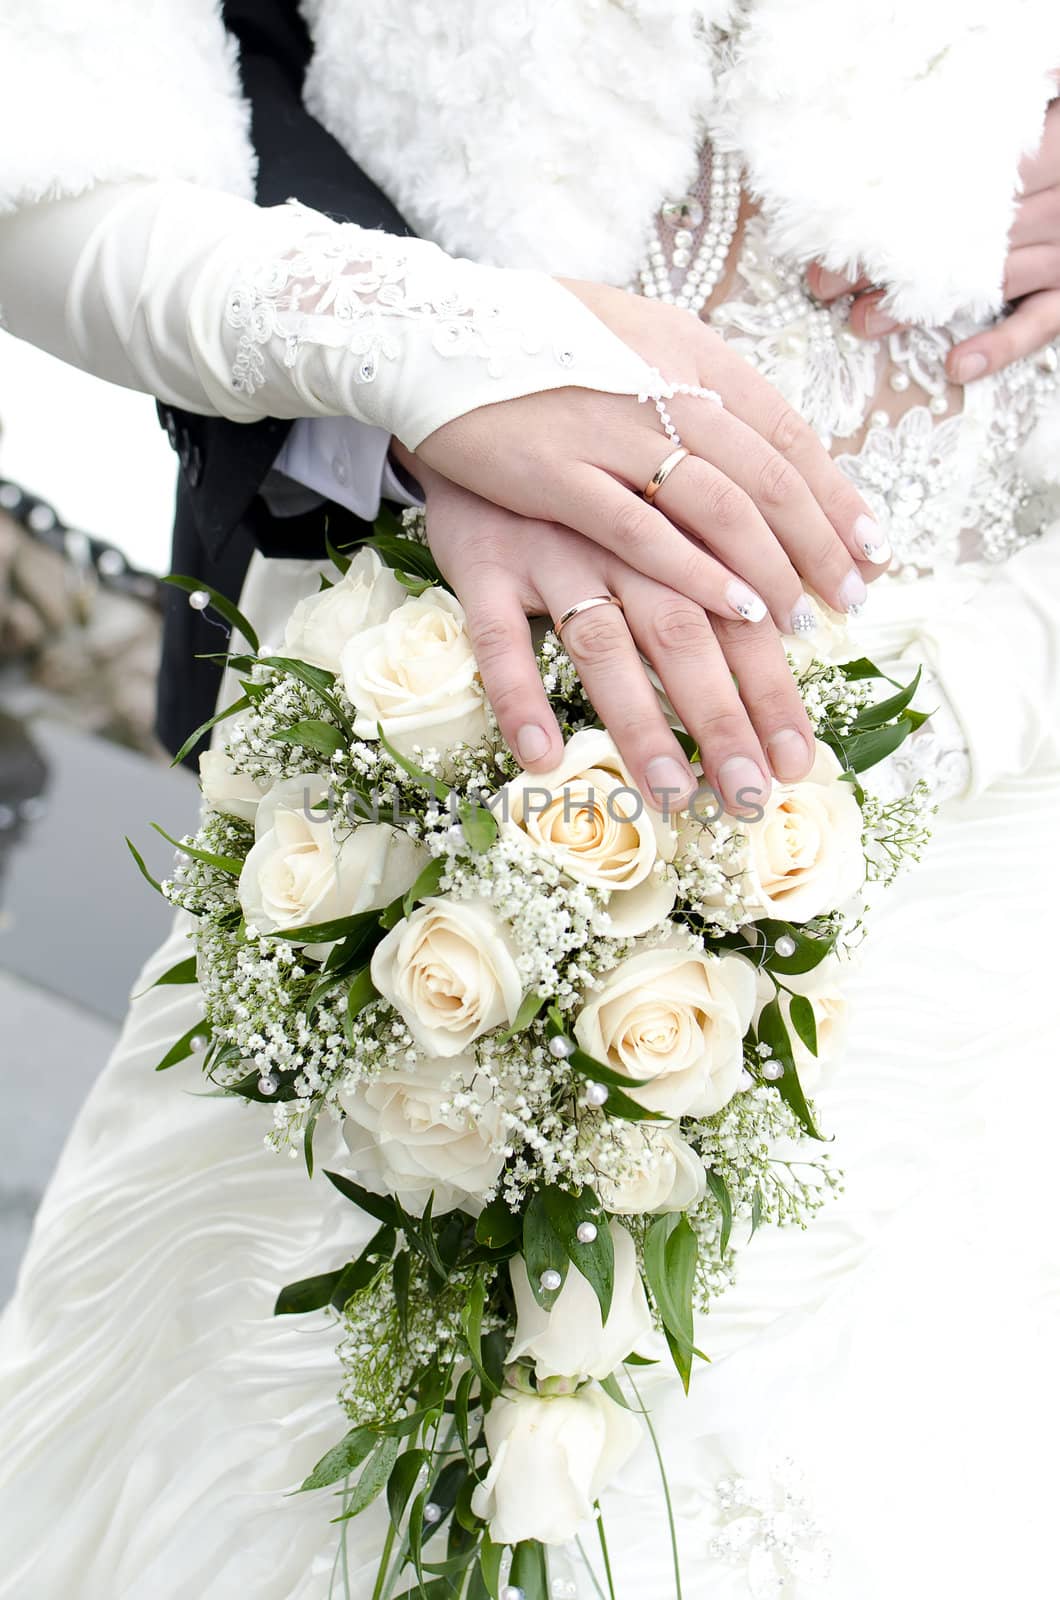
{"points": [[504, 567], [759, 494]]}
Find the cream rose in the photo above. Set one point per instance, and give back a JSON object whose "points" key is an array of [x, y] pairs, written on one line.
{"points": [[822, 989], [415, 675], [322, 624], [306, 867], [437, 1129], [646, 1167], [450, 970], [805, 855], [225, 789], [573, 1340], [588, 816], [551, 1457], [675, 1018]]}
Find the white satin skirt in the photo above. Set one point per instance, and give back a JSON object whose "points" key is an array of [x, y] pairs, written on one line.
{"points": [[882, 1412]]}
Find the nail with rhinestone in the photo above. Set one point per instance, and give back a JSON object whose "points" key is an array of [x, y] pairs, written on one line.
{"points": [[745, 602], [803, 618], [871, 538], [853, 594]]}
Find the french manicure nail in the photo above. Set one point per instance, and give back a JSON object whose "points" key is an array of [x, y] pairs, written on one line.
{"points": [[870, 537], [748, 605], [789, 755], [532, 742], [877, 322], [968, 367], [853, 594], [743, 785], [669, 782], [803, 618]]}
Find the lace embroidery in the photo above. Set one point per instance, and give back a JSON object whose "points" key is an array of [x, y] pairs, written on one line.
{"points": [[338, 291], [769, 1530]]}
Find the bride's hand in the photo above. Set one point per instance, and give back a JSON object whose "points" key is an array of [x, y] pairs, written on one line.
{"points": [[1032, 276], [759, 490], [504, 567]]}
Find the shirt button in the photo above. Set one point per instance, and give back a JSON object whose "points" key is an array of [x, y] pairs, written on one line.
{"points": [[340, 470]]}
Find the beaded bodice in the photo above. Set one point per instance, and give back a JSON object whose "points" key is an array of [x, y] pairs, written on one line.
{"points": [[938, 464]]}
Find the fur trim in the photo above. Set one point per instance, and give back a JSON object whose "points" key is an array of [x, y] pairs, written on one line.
{"points": [[523, 134], [889, 136], [118, 90]]}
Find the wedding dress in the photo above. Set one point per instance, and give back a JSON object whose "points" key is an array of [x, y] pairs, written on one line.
{"points": [[882, 1403], [879, 1414]]}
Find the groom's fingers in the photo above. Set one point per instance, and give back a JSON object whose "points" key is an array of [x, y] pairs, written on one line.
{"points": [[500, 637]]}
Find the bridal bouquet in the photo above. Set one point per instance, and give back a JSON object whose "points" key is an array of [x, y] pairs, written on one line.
{"points": [[570, 1043]]}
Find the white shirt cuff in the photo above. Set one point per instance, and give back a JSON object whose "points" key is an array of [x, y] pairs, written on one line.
{"points": [[344, 461]]}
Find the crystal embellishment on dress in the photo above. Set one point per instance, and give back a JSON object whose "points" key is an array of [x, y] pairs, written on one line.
{"points": [[677, 272], [769, 1530]]}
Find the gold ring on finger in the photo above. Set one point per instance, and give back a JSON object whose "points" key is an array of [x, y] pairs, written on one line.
{"points": [[663, 471]]}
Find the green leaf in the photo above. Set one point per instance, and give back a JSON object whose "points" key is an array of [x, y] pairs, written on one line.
{"points": [[358, 1274], [490, 1557], [376, 1205], [402, 1482], [543, 1251], [377, 1470], [342, 1459], [804, 1022], [809, 950], [756, 1209], [461, 1412], [595, 1260], [471, 1326], [220, 603], [405, 555], [530, 1006], [362, 992], [362, 923], [314, 678], [611, 1388], [479, 824], [720, 1190], [443, 1493], [182, 1049], [587, 1066], [498, 1224], [308, 1294], [335, 556], [530, 1570], [312, 735], [670, 1254], [860, 751], [863, 668], [402, 1278], [184, 972], [226, 864], [220, 716], [425, 885], [307, 1143], [773, 1032], [874, 716], [138, 858], [434, 786]]}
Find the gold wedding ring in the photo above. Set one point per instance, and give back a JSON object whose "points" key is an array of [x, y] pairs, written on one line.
{"points": [[584, 605], [663, 471]]}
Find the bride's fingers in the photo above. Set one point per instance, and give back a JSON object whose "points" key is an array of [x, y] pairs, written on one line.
{"points": [[1026, 330], [767, 689], [1034, 267], [790, 514], [868, 319], [599, 643], [613, 516], [826, 286], [718, 513], [679, 641], [754, 401], [500, 637]]}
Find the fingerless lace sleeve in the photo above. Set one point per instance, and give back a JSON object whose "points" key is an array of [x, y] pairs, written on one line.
{"points": [[220, 306]]}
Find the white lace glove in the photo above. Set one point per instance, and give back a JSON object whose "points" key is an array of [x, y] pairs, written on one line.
{"points": [[214, 304]]}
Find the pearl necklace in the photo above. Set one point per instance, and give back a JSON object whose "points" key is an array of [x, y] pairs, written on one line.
{"points": [[670, 252]]}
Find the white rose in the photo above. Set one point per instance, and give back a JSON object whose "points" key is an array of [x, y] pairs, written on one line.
{"points": [[225, 789], [676, 1018], [822, 989], [449, 968], [321, 625], [805, 855], [306, 867], [551, 1457], [572, 1340], [645, 1167], [415, 675], [588, 816], [407, 1135]]}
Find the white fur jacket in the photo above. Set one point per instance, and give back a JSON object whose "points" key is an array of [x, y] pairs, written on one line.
{"points": [[544, 133]]}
